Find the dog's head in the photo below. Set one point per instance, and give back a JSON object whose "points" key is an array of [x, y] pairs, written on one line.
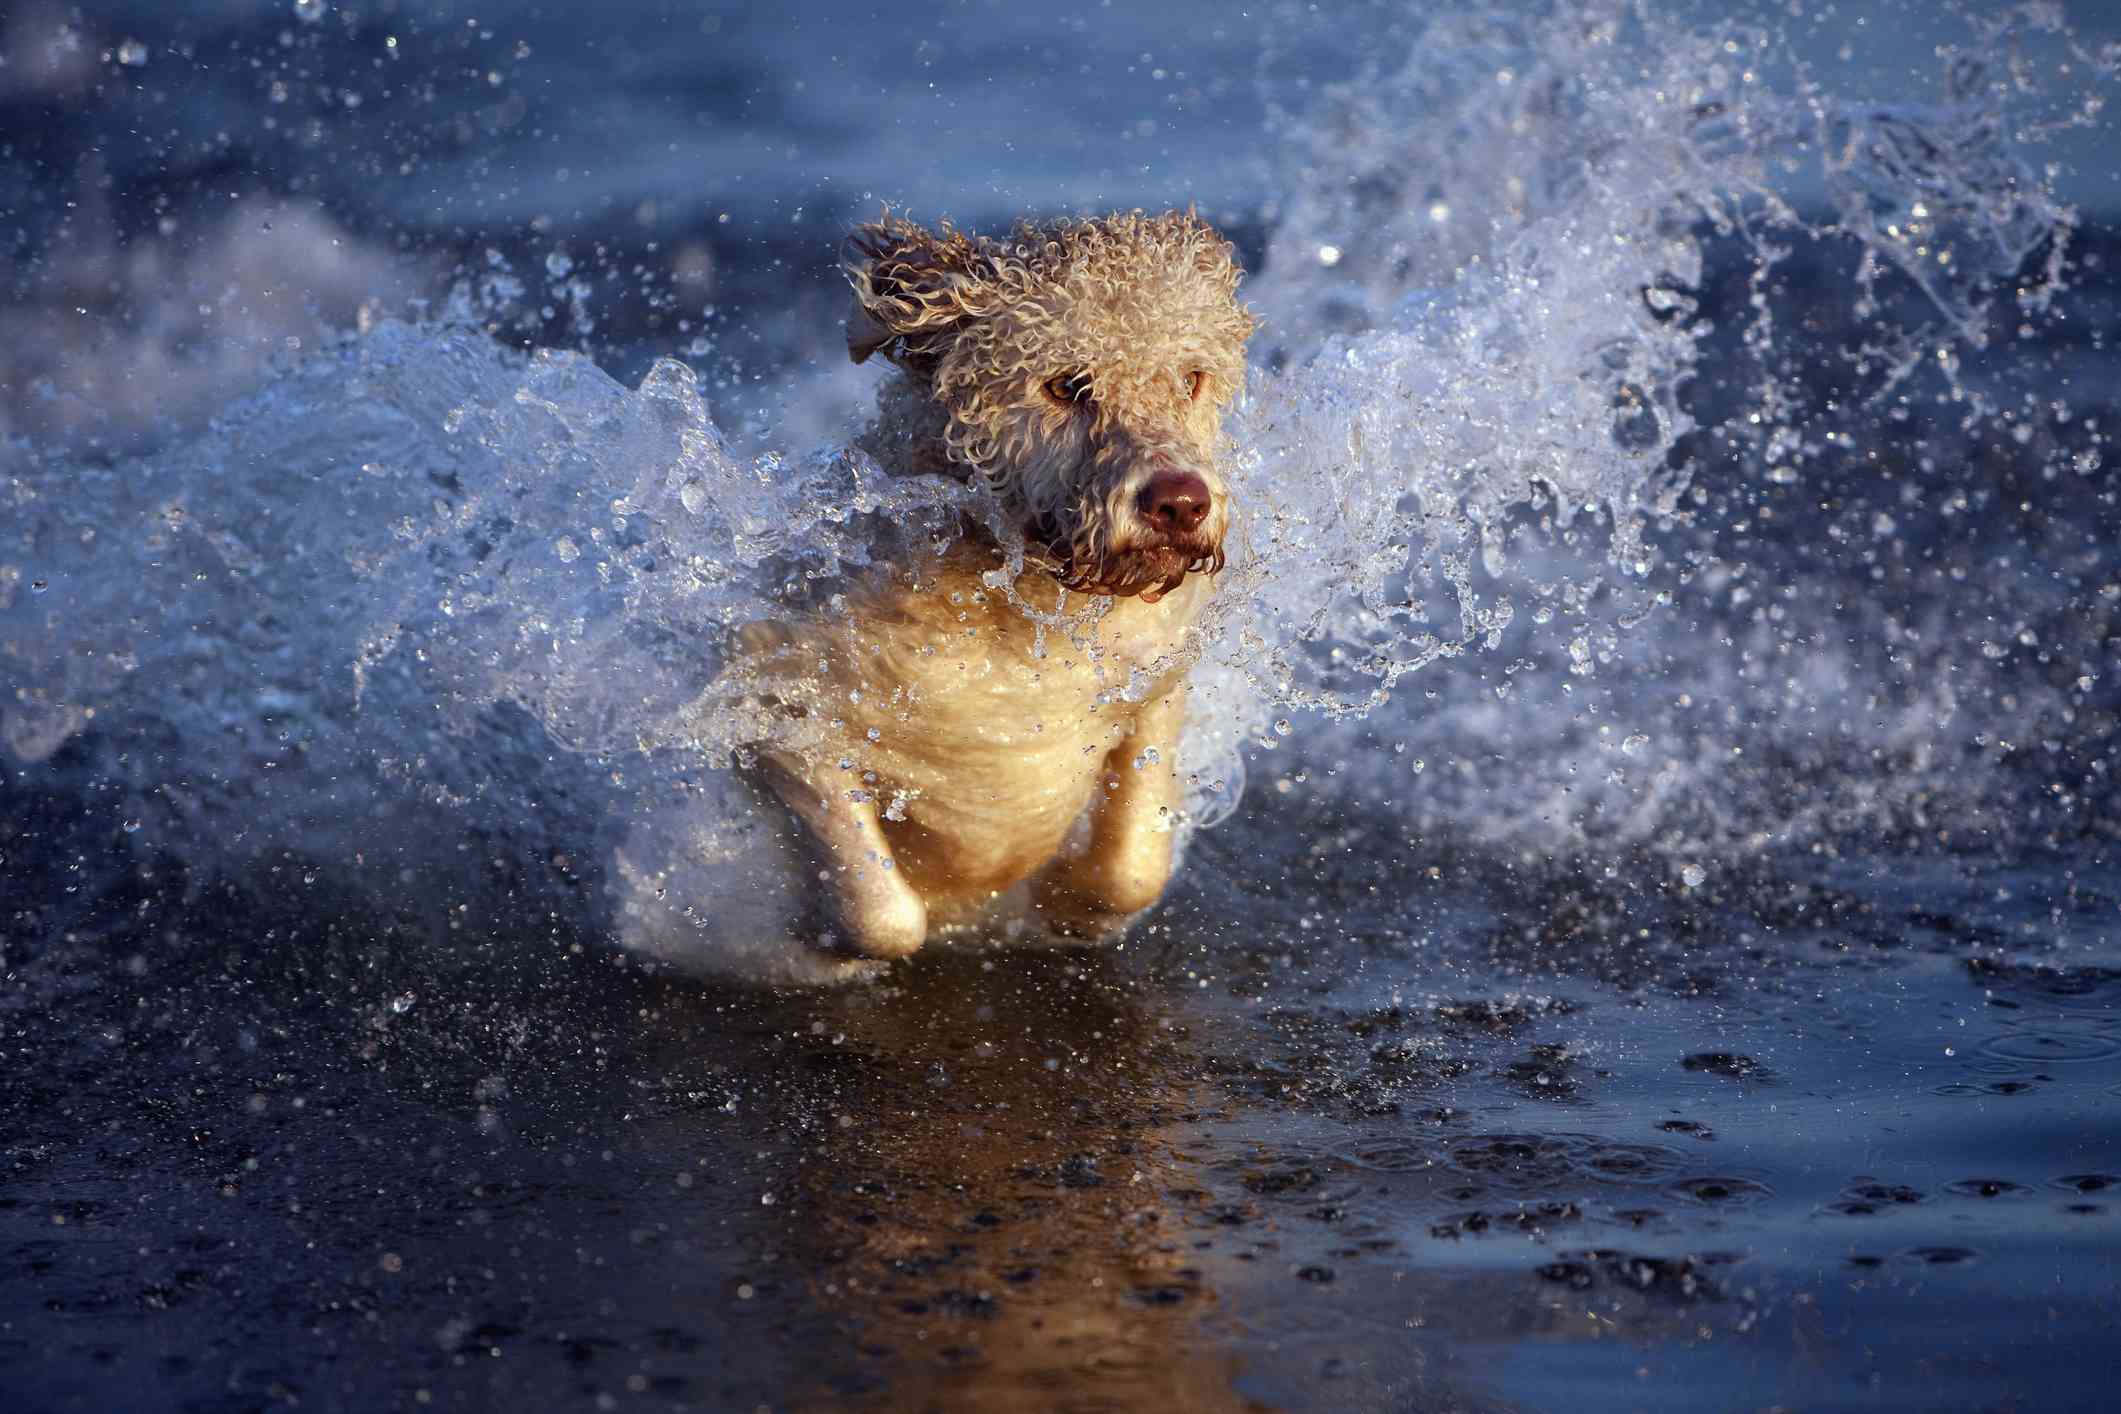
{"points": [[1081, 368]]}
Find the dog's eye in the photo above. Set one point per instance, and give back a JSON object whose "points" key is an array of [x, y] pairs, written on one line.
{"points": [[1068, 388], [1196, 382]]}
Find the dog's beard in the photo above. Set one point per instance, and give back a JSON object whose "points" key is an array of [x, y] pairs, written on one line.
{"points": [[1148, 573], [1078, 547]]}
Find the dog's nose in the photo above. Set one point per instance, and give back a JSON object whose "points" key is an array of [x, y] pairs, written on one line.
{"points": [[1175, 502]]}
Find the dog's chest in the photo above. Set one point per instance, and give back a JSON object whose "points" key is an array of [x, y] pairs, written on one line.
{"points": [[962, 716]]}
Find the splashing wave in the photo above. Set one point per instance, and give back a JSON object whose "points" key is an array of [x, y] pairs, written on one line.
{"points": [[1484, 425]]}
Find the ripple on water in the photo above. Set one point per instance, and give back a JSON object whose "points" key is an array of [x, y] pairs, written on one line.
{"points": [[1938, 1256], [1729, 1065], [1684, 1278], [2053, 1044], [1533, 1220], [1720, 1191], [1532, 1159], [1291, 1178], [1631, 1163], [1963, 1089], [2087, 1182], [1995, 1065], [2072, 989], [1987, 1188], [1867, 1198], [1390, 1156], [1543, 1160]]}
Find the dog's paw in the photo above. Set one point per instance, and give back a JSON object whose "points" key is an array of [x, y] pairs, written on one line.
{"points": [[1079, 902], [1071, 920], [875, 922]]}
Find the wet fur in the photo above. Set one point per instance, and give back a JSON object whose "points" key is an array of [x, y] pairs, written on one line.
{"points": [[953, 762], [980, 327]]}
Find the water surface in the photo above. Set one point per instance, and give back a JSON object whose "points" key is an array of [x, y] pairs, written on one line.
{"points": [[1649, 935]]}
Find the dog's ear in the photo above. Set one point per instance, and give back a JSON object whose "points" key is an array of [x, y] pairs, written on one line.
{"points": [[864, 334], [910, 283]]}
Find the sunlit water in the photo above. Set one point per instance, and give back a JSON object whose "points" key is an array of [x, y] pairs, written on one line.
{"points": [[1667, 680]]}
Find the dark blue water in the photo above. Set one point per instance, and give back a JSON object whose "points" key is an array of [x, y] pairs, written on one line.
{"points": [[1704, 993]]}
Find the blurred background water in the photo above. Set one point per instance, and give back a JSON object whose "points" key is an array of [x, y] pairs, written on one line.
{"points": [[1658, 944]]}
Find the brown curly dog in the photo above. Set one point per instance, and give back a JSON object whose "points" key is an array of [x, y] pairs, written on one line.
{"points": [[1080, 370]]}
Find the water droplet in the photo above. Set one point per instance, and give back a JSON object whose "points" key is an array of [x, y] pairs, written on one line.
{"points": [[402, 1003], [132, 826], [1634, 744], [567, 550], [309, 11], [558, 264], [1693, 875], [132, 53], [693, 497]]}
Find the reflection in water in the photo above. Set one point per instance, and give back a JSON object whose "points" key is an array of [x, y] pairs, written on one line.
{"points": [[990, 1212], [1338, 1176]]}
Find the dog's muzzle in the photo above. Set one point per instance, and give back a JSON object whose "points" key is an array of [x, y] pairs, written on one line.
{"points": [[1170, 538]]}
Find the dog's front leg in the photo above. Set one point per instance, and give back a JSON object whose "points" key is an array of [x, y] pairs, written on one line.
{"points": [[876, 912], [1127, 862]]}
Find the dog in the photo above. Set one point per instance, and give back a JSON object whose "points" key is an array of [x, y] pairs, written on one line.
{"points": [[957, 749]]}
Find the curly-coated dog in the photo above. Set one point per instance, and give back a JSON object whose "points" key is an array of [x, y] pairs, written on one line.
{"points": [[955, 749]]}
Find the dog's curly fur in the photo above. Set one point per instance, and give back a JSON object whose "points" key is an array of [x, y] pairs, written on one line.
{"points": [[1139, 314], [953, 749]]}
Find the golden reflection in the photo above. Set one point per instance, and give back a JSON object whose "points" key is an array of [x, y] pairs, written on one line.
{"points": [[989, 1216]]}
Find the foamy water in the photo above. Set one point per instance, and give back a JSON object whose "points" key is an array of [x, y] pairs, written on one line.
{"points": [[1509, 568]]}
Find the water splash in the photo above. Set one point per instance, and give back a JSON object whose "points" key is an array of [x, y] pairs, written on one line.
{"points": [[1480, 430], [1493, 253], [1486, 302]]}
